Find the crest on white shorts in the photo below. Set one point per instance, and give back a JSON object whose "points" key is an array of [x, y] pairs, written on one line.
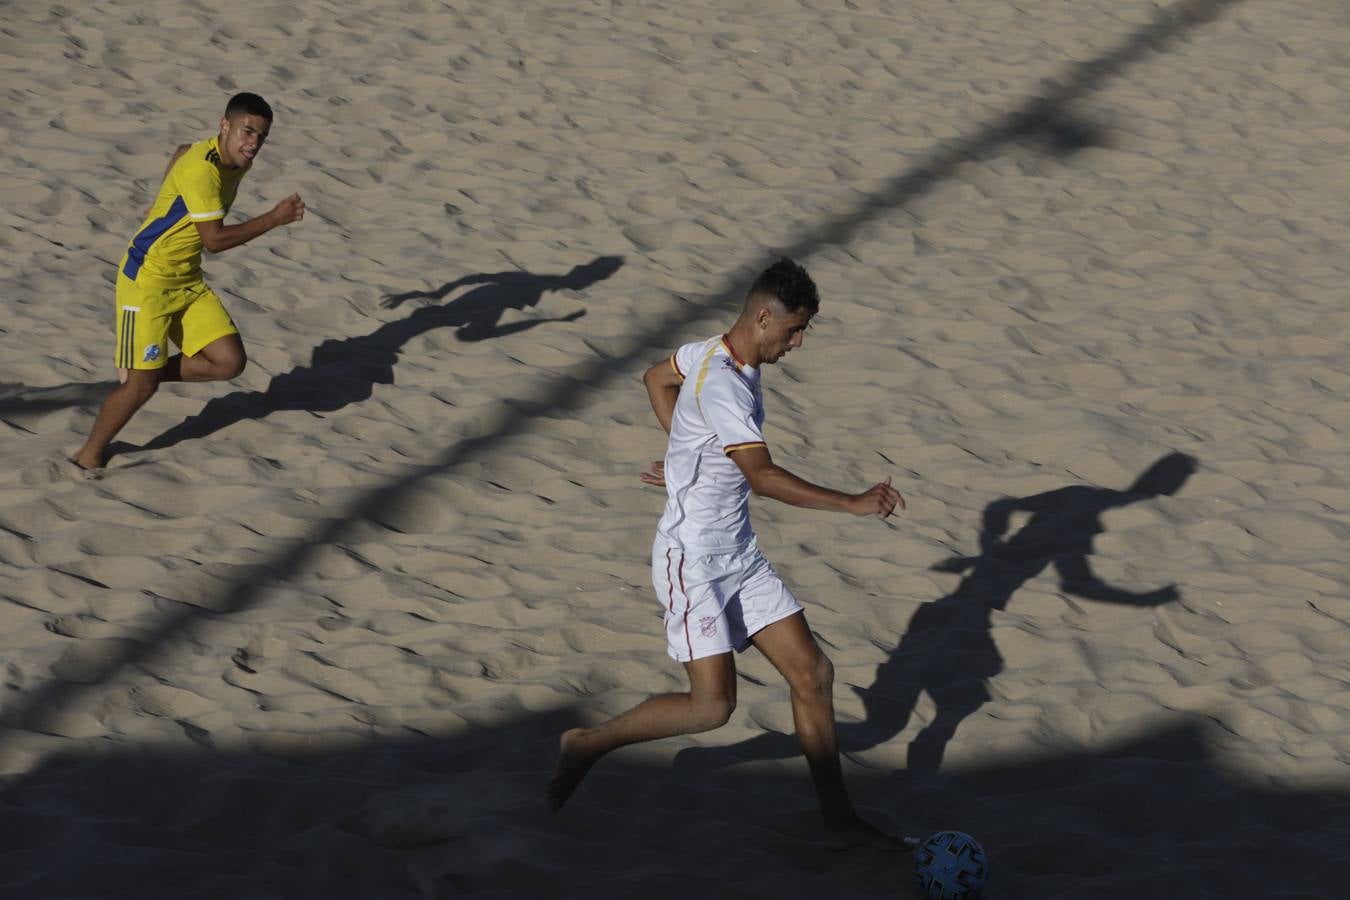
{"points": [[707, 626]]}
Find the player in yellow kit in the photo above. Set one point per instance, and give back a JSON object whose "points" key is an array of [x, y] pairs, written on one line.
{"points": [[161, 296]]}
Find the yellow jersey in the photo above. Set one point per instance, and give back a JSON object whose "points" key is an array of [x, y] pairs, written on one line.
{"points": [[167, 249]]}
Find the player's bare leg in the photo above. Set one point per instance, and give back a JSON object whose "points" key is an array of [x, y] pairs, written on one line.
{"points": [[789, 645], [220, 360], [707, 705], [115, 413]]}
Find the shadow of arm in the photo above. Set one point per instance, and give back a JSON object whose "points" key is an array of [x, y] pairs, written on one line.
{"points": [[1076, 578], [393, 301]]}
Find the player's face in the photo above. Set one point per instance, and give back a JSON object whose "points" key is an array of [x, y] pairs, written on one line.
{"points": [[783, 332], [242, 137]]}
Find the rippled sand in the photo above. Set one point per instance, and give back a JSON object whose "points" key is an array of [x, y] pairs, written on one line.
{"points": [[317, 636]]}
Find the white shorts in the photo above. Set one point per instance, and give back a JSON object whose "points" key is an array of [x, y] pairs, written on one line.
{"points": [[715, 603]]}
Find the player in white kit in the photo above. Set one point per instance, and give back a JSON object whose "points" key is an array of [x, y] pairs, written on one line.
{"points": [[719, 593]]}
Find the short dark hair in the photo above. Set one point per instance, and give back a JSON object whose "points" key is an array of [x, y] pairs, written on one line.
{"points": [[788, 283], [248, 105]]}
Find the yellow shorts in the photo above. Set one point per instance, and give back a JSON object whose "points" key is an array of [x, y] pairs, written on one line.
{"points": [[149, 317]]}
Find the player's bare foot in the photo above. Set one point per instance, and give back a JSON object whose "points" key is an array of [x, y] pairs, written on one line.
{"points": [[849, 833], [87, 469], [574, 761]]}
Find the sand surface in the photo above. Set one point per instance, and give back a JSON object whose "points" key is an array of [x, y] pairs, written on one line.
{"points": [[1084, 271]]}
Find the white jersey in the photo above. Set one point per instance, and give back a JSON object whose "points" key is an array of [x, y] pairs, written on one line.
{"points": [[720, 410]]}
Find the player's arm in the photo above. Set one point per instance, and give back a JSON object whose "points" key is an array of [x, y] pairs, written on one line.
{"points": [[663, 382], [768, 479], [218, 237]]}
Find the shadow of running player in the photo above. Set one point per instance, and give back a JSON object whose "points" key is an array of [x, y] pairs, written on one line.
{"points": [[345, 370], [948, 649], [477, 312]]}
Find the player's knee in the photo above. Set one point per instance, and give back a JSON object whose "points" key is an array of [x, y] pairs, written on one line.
{"points": [[714, 712], [141, 386], [815, 676], [823, 673], [232, 366], [720, 712]]}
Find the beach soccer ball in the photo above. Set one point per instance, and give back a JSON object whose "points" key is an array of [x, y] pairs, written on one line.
{"points": [[951, 866]]}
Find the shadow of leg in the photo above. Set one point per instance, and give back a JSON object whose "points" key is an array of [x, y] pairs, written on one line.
{"points": [[954, 703], [771, 745], [887, 706]]}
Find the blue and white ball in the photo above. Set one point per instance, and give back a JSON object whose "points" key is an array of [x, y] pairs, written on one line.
{"points": [[951, 865]]}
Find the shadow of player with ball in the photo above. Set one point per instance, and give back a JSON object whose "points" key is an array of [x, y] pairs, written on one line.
{"points": [[948, 649]]}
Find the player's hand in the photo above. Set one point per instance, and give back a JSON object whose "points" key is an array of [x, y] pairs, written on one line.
{"points": [[292, 209], [655, 474], [879, 500]]}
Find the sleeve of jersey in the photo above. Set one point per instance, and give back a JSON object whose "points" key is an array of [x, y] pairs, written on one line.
{"points": [[685, 359], [729, 409], [199, 186]]}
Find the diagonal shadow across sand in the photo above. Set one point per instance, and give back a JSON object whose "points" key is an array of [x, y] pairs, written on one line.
{"points": [[1037, 118], [449, 816]]}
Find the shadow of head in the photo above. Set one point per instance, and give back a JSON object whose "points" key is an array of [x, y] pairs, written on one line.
{"points": [[586, 275], [1165, 477]]}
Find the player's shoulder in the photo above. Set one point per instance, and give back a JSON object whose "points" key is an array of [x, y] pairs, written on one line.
{"points": [[723, 372], [201, 159], [688, 358], [699, 347]]}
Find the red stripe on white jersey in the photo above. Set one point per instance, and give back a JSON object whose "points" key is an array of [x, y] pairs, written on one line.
{"points": [[687, 641]]}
